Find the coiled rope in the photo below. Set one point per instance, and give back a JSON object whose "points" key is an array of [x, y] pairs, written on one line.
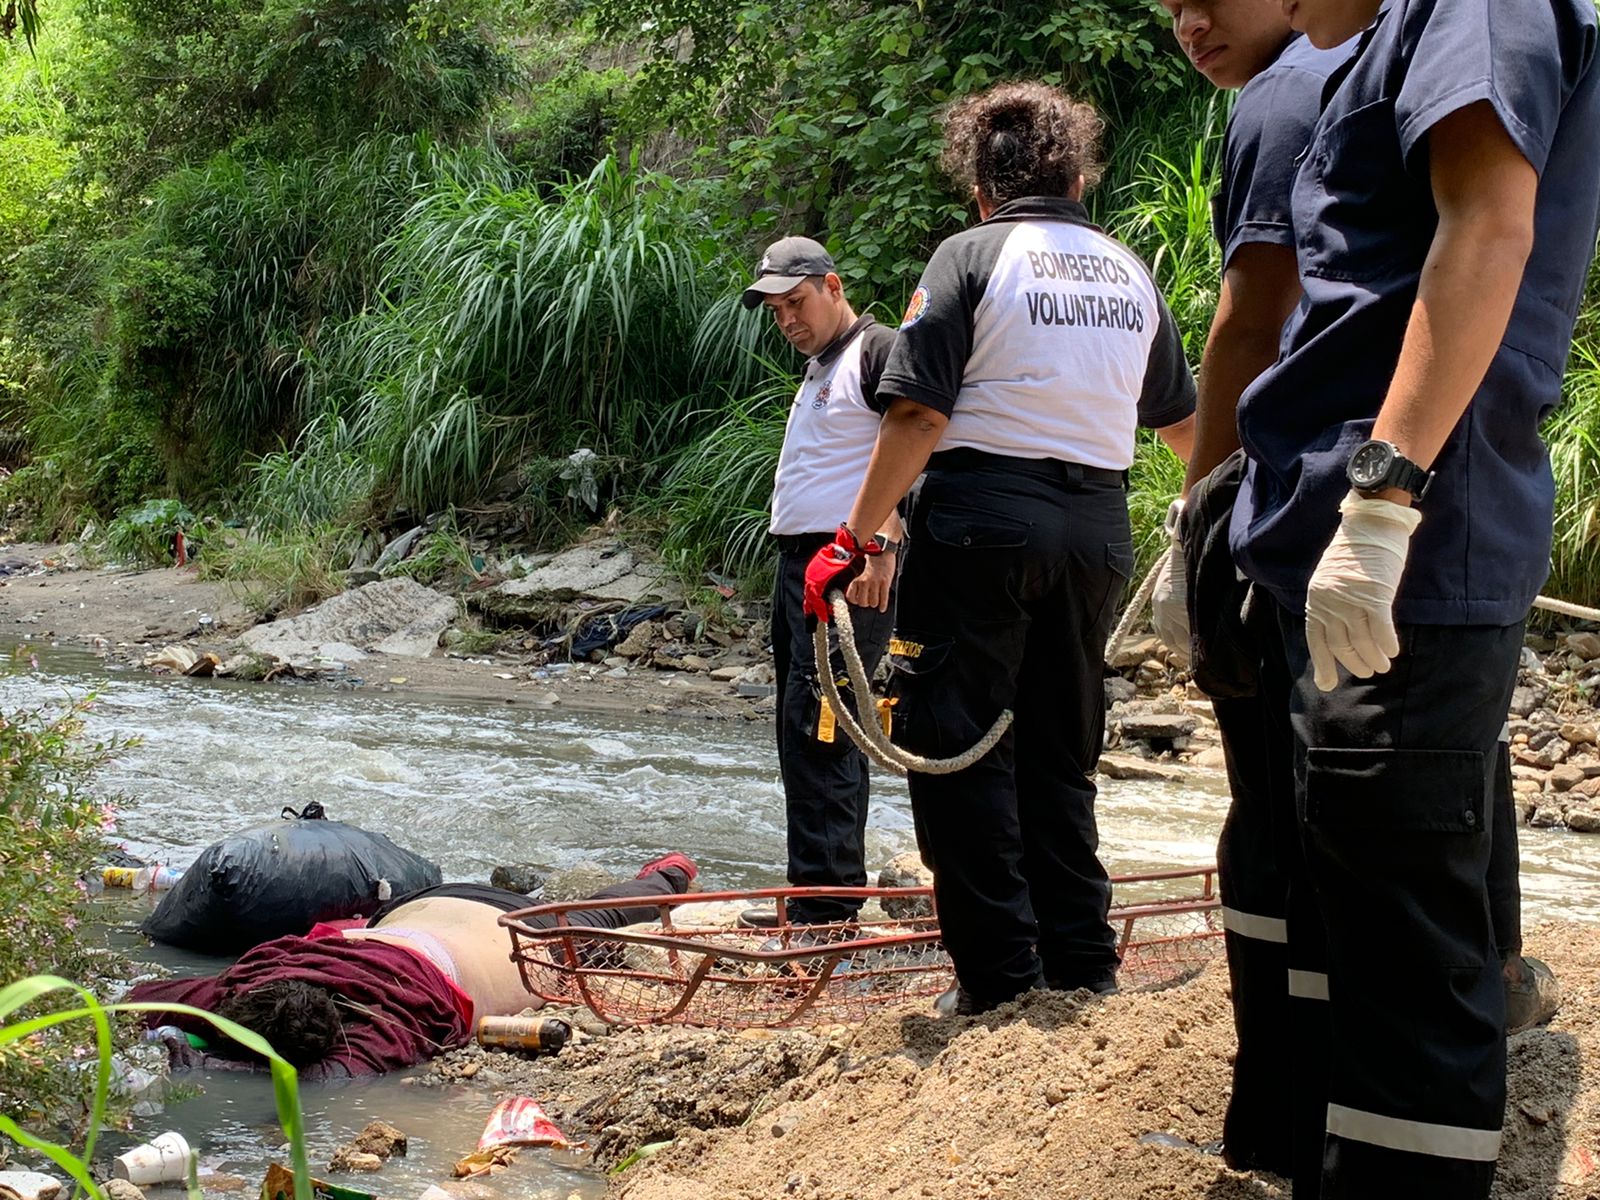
{"points": [[866, 732]]}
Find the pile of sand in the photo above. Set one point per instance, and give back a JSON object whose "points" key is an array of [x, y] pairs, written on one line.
{"points": [[1045, 1098]]}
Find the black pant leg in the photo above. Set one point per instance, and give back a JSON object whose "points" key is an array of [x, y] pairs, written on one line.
{"points": [[1394, 778], [960, 636], [782, 644], [670, 882], [825, 778], [1060, 730]]}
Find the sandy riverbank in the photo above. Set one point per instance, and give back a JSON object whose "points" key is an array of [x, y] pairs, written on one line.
{"points": [[1048, 1097]]}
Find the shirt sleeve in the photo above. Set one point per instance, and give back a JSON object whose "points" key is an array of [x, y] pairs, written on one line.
{"points": [[929, 358], [1524, 57], [1267, 137], [1168, 395], [876, 343]]}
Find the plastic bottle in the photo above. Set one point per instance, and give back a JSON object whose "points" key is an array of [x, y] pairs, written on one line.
{"points": [[119, 877], [533, 1035], [154, 878], [164, 878]]}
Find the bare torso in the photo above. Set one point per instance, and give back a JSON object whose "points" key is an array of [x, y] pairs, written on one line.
{"points": [[464, 940]]}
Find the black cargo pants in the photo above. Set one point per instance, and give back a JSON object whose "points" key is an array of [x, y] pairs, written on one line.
{"points": [[1011, 583], [825, 781], [1376, 1068], [1260, 838]]}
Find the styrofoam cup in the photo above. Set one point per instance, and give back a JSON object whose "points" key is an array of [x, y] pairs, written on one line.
{"points": [[164, 1160]]}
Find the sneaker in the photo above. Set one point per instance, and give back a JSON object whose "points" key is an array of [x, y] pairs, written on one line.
{"points": [[677, 860], [1532, 993], [759, 918]]}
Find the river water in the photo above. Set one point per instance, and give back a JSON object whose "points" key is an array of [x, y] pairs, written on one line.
{"points": [[472, 785]]}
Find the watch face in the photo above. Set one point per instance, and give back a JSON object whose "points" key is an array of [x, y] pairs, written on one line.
{"points": [[1370, 464]]}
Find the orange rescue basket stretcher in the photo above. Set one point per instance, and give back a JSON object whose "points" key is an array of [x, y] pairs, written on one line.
{"points": [[726, 975]]}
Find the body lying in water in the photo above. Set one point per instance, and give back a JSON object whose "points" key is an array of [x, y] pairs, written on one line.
{"points": [[408, 985]]}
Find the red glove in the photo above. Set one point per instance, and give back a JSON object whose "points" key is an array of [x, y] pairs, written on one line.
{"points": [[840, 561]]}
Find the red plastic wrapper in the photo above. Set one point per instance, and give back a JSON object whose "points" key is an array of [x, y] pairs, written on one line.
{"points": [[519, 1121]]}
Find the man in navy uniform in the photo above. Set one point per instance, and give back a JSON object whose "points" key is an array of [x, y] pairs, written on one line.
{"points": [[833, 425], [1249, 45], [1395, 522]]}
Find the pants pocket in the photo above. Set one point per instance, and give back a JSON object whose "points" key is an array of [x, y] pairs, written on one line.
{"points": [[1398, 844], [1396, 791], [1118, 569], [916, 671], [967, 528]]}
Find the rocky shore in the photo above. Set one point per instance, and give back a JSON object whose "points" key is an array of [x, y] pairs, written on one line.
{"points": [[601, 627]]}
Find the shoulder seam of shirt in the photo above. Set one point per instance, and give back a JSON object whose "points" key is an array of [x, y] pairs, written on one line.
{"points": [[835, 348]]}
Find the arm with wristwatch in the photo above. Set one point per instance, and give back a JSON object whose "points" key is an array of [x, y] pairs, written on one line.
{"points": [[1484, 190], [871, 588]]}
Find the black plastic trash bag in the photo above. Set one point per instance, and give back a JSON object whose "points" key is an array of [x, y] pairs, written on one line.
{"points": [[283, 878]]}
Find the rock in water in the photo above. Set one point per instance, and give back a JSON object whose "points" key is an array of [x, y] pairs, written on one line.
{"points": [[519, 877], [382, 1139]]}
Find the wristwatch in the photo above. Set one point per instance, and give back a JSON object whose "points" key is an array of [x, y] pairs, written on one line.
{"points": [[882, 545], [1376, 465]]}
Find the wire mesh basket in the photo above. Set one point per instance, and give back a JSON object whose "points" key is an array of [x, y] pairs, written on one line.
{"points": [[726, 975], [729, 975], [1168, 925]]}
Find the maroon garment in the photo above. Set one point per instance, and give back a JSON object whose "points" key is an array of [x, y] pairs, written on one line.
{"points": [[398, 1008]]}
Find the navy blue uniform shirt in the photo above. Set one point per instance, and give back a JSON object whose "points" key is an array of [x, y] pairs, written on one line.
{"points": [[1364, 220], [1267, 137]]}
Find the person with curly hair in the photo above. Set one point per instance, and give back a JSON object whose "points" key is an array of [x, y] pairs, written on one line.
{"points": [[1033, 347]]}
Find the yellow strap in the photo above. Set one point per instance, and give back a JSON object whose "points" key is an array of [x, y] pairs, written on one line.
{"points": [[825, 723], [886, 714]]}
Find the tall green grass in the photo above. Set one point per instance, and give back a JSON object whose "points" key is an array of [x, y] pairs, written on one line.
{"points": [[242, 263], [1573, 435], [715, 500], [1157, 199], [513, 326]]}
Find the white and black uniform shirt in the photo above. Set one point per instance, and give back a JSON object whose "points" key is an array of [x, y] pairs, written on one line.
{"points": [[833, 426], [1041, 337]]}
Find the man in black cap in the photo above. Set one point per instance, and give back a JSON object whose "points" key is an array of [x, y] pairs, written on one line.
{"points": [[833, 426]]}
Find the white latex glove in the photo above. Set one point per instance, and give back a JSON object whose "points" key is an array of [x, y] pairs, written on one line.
{"points": [[1350, 602], [1169, 600]]}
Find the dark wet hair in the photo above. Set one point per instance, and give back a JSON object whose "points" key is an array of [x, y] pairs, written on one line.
{"points": [[300, 1021], [1022, 139]]}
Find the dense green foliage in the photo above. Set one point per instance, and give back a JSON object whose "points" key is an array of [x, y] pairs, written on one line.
{"points": [[326, 265], [52, 827]]}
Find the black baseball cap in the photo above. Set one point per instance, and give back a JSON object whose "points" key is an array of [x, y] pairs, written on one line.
{"points": [[785, 266]]}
